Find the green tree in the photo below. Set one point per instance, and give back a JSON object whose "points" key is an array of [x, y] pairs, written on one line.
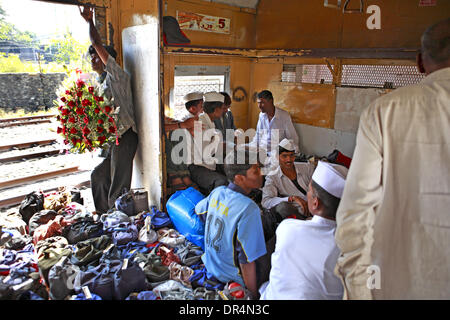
{"points": [[67, 50], [9, 32]]}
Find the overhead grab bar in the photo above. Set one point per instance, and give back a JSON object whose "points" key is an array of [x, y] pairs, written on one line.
{"points": [[336, 6], [360, 10]]}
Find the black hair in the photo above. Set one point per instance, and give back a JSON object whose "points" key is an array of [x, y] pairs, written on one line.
{"points": [[192, 103], [239, 162], [329, 202], [109, 49], [281, 150], [210, 106], [265, 94], [435, 42], [227, 101]]}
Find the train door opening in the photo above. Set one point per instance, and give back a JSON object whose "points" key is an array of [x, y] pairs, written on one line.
{"points": [[196, 78]]}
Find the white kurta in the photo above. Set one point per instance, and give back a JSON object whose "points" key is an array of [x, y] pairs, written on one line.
{"points": [[303, 262], [278, 188], [393, 222]]}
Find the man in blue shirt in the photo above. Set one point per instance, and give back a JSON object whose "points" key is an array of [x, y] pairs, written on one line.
{"points": [[234, 236]]}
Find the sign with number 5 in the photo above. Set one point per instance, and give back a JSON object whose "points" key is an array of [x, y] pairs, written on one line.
{"points": [[201, 22]]}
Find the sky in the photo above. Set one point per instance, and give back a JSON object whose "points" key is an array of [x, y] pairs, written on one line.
{"points": [[45, 19]]}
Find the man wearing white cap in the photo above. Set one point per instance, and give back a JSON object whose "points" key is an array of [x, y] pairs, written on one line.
{"points": [[285, 188], [306, 253], [194, 105], [207, 146], [178, 174]]}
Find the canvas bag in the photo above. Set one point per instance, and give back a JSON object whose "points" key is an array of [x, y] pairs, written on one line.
{"points": [[160, 219], [82, 230], [152, 266], [32, 203], [49, 252], [125, 203], [124, 232], [39, 218], [113, 279], [90, 250], [147, 234], [61, 278], [140, 199]]}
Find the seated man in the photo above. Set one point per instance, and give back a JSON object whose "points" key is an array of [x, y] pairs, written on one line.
{"points": [[226, 121], [284, 191], [306, 253], [206, 148], [178, 174], [273, 124], [234, 237], [194, 105]]}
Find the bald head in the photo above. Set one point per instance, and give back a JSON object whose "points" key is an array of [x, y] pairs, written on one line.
{"points": [[436, 46]]}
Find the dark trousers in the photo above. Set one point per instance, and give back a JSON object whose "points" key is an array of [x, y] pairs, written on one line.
{"points": [[264, 263], [114, 173], [206, 179]]}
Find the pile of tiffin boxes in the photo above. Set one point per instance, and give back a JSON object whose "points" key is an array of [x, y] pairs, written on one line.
{"points": [[54, 248]]}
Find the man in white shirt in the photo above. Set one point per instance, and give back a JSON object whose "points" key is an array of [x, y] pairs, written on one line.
{"points": [[178, 176], [273, 124], [193, 102], [285, 188], [206, 146], [305, 252], [289, 182], [393, 221]]}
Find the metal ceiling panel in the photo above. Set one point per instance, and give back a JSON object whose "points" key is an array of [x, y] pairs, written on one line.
{"points": [[238, 3]]}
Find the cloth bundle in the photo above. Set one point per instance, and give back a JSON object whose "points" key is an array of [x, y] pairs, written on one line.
{"points": [[72, 255], [57, 200], [49, 251], [170, 237], [61, 278], [90, 250], [32, 203], [82, 230], [52, 228], [112, 280]]}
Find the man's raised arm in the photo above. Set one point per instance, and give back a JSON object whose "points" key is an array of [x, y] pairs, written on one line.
{"points": [[87, 13]]}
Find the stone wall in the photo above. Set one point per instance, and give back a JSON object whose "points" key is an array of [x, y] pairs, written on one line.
{"points": [[29, 91]]}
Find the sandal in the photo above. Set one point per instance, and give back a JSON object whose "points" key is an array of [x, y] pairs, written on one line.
{"points": [[201, 293], [180, 273]]}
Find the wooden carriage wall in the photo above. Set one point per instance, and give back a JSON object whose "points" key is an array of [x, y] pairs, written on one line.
{"points": [[324, 62]]}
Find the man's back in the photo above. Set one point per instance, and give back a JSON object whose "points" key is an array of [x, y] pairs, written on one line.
{"points": [[400, 175], [232, 220], [303, 261]]}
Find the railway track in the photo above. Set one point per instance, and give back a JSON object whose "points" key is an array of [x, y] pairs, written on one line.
{"points": [[12, 122], [24, 145], [34, 165]]}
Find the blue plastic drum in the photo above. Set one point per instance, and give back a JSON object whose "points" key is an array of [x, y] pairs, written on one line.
{"points": [[181, 210]]}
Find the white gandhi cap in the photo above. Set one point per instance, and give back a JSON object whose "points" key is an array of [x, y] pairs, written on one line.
{"points": [[193, 96], [214, 97], [331, 177], [287, 144]]}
